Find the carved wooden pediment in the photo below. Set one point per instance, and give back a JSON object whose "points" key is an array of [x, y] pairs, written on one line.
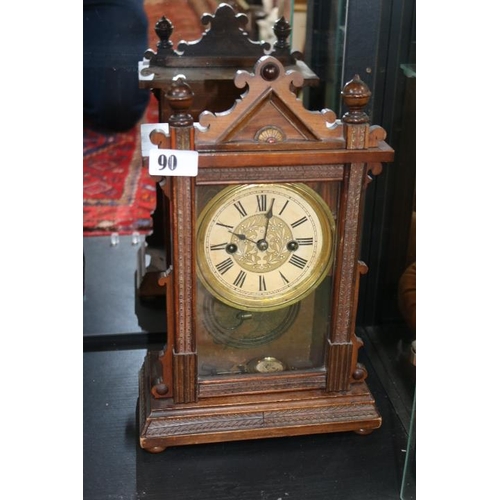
{"points": [[269, 112], [224, 43]]}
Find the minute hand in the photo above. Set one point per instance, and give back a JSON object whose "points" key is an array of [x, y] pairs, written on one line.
{"points": [[268, 216]]}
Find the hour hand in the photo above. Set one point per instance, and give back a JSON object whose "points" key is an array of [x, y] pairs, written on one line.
{"points": [[242, 237]]}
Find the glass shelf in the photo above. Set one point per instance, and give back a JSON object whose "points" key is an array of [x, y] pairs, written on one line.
{"points": [[408, 486]]}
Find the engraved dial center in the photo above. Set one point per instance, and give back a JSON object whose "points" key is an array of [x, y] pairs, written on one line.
{"points": [[256, 254]]}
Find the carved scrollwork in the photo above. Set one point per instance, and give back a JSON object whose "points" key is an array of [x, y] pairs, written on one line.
{"points": [[225, 37], [376, 134], [372, 169], [269, 82]]}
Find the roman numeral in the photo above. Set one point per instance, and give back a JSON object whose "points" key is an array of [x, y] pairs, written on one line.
{"points": [[225, 265], [283, 278], [305, 241], [240, 279], [240, 208], [224, 225], [262, 284], [298, 261], [284, 206], [262, 202], [299, 222], [219, 246]]}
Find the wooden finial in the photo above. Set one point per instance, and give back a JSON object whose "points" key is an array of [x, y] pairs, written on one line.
{"points": [[282, 30], [281, 48], [164, 29], [165, 48], [180, 98], [356, 96]]}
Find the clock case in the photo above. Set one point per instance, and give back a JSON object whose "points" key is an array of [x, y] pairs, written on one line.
{"points": [[178, 406]]}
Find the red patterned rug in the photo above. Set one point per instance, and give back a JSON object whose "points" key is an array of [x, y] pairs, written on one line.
{"points": [[118, 193]]}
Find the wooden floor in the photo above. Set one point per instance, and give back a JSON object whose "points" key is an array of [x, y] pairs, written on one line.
{"points": [[118, 331]]}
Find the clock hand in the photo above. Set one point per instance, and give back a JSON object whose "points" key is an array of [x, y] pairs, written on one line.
{"points": [[269, 213], [242, 237], [268, 216]]}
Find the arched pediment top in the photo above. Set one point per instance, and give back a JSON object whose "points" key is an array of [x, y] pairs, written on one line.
{"points": [[224, 36]]}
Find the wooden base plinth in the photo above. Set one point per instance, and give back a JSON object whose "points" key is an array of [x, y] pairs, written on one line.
{"points": [[217, 419]]}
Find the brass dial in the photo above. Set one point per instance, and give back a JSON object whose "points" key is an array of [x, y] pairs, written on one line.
{"points": [[261, 247]]}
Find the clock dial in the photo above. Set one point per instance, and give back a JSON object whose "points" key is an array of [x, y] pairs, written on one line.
{"points": [[261, 247]]}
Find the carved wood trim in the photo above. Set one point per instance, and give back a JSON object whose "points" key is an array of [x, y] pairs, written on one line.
{"points": [[376, 136], [261, 420], [185, 377], [356, 136], [290, 173], [242, 158], [347, 260], [357, 373], [224, 43], [371, 170], [339, 363], [169, 425], [247, 385], [183, 241], [268, 81]]}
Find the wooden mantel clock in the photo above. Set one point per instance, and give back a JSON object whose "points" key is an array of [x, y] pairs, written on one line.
{"points": [[262, 292]]}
